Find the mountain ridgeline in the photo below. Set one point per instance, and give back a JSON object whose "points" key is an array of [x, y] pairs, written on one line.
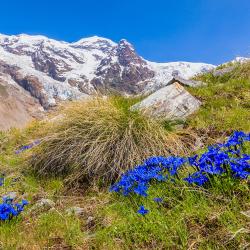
{"points": [[51, 70]]}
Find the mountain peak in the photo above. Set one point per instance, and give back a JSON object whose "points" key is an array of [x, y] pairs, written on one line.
{"points": [[94, 40], [27, 40], [241, 59], [124, 44], [52, 70]]}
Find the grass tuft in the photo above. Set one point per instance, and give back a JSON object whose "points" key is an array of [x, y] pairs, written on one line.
{"points": [[99, 139]]}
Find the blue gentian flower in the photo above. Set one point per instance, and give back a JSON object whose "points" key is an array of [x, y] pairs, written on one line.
{"points": [[142, 210], [26, 147], [158, 200], [198, 178], [221, 159], [9, 209], [1, 181], [141, 189]]}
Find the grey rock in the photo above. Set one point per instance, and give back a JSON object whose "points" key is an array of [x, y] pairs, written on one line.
{"points": [[240, 59], [221, 72], [90, 222], [170, 102], [42, 205], [75, 210], [185, 82], [90, 219]]}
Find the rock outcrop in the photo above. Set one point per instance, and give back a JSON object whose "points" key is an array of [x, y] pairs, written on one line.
{"points": [[170, 102], [223, 71], [17, 106], [185, 82], [123, 71]]}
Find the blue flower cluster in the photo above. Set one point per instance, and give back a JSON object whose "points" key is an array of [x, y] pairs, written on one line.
{"points": [[138, 179], [26, 147], [219, 159], [9, 209]]}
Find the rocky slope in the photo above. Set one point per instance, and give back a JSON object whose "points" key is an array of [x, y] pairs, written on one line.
{"points": [[52, 70], [17, 106]]}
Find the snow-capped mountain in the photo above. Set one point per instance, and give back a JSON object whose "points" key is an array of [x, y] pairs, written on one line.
{"points": [[240, 59], [53, 70]]}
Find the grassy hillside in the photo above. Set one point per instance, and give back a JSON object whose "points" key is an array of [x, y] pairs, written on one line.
{"points": [[226, 101], [215, 216]]}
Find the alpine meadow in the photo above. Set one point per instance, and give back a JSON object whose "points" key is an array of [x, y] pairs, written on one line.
{"points": [[103, 149]]}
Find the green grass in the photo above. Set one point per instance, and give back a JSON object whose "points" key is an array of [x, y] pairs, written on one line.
{"points": [[225, 101], [51, 229], [187, 217], [54, 228]]}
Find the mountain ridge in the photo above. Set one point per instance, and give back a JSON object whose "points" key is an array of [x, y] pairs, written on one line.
{"points": [[54, 70]]}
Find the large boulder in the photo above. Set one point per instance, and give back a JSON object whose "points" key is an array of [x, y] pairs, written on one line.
{"points": [[170, 102]]}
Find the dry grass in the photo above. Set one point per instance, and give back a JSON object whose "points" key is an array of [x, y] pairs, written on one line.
{"points": [[99, 139], [3, 141], [242, 71]]}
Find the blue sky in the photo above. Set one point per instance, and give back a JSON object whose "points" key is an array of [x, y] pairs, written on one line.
{"points": [[212, 31]]}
